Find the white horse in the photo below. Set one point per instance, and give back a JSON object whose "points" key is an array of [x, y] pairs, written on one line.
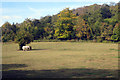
{"points": [[26, 48]]}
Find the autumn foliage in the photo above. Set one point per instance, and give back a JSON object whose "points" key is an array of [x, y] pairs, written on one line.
{"points": [[95, 22]]}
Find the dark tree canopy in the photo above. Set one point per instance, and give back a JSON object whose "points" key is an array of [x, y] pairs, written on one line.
{"points": [[23, 38]]}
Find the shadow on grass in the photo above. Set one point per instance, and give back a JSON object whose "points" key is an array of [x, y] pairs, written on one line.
{"points": [[57, 73], [34, 49], [12, 66], [38, 49]]}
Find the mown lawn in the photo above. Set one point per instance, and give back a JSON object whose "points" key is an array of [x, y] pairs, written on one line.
{"points": [[61, 59]]}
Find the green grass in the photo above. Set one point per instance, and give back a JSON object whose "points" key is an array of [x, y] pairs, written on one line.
{"points": [[115, 49], [61, 56]]}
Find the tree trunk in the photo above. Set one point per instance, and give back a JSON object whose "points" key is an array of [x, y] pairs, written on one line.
{"points": [[20, 46]]}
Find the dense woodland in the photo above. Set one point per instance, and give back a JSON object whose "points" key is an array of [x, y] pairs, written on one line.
{"points": [[95, 22]]}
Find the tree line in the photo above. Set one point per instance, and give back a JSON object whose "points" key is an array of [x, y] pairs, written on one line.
{"points": [[94, 22]]}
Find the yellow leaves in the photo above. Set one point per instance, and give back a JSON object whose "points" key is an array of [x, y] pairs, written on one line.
{"points": [[79, 34], [66, 12], [65, 18], [83, 24], [59, 15], [82, 29], [68, 24], [56, 30], [63, 24], [36, 28], [84, 32], [67, 9], [74, 17], [46, 29], [67, 32], [85, 29]]}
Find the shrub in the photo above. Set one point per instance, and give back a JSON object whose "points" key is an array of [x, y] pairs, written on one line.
{"points": [[105, 41], [99, 40], [37, 41]]}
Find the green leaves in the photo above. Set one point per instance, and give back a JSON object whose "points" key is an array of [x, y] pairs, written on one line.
{"points": [[9, 32], [114, 37], [23, 37], [116, 33], [98, 22]]}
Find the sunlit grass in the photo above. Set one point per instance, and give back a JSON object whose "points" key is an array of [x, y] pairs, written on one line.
{"points": [[55, 55]]}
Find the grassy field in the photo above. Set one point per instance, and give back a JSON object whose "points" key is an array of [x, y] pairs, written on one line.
{"points": [[61, 60]]}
